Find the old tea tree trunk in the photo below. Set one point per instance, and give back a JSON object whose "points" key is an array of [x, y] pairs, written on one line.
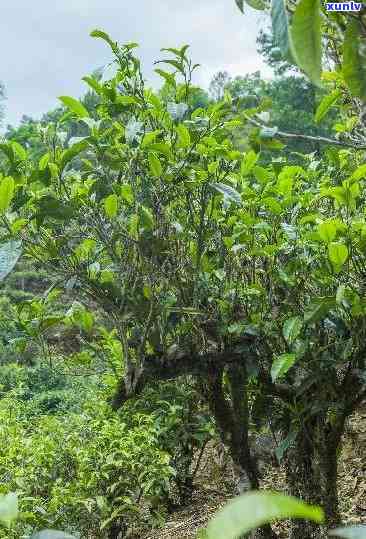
{"points": [[229, 405], [311, 463]]}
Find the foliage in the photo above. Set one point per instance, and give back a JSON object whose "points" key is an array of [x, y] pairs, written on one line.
{"points": [[241, 271], [251, 510], [91, 470], [299, 33]]}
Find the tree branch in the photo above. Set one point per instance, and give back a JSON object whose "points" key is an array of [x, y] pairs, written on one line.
{"points": [[163, 368], [309, 138]]}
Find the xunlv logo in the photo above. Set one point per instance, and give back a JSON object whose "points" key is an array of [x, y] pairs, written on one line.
{"points": [[343, 6]]}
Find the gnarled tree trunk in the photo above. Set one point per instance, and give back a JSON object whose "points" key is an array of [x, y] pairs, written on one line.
{"points": [[311, 473]]}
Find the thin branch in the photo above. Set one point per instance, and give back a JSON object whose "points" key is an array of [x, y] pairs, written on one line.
{"points": [[309, 138]]}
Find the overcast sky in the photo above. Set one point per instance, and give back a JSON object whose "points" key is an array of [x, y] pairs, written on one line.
{"points": [[46, 49]]}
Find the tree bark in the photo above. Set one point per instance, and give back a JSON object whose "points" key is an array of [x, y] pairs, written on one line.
{"points": [[311, 473]]}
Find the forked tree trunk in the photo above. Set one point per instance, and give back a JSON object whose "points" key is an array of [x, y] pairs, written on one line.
{"points": [[232, 420]]}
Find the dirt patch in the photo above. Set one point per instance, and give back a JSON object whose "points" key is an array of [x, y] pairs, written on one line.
{"points": [[215, 485]]}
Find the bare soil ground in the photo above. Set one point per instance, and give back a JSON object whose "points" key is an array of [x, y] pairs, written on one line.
{"points": [[215, 486]]}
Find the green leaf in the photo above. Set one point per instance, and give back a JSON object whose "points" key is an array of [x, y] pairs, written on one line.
{"points": [[103, 35], [184, 138], [6, 193], [72, 152], [51, 534], [359, 173], [126, 100], [306, 38], [111, 205], [351, 532], [178, 64], [281, 365], [325, 104], [338, 254], [19, 150], [49, 206], [155, 165], [126, 192], [160, 147], [94, 84], [8, 508], [168, 77], [254, 509], [229, 192], [318, 309], [240, 4], [8, 151], [146, 219], [327, 231], [281, 28], [43, 162], [248, 162], [354, 59], [292, 328], [9, 255], [75, 106], [285, 444]]}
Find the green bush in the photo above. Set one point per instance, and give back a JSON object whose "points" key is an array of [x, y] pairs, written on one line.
{"points": [[94, 471]]}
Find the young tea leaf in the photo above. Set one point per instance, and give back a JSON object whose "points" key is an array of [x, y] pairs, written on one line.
{"points": [[75, 106], [111, 205], [248, 162], [184, 139], [155, 165]]}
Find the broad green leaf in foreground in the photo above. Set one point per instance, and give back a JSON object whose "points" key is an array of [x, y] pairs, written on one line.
{"points": [[306, 38], [280, 28], [8, 508], [9, 256], [254, 509], [351, 532], [354, 59]]}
